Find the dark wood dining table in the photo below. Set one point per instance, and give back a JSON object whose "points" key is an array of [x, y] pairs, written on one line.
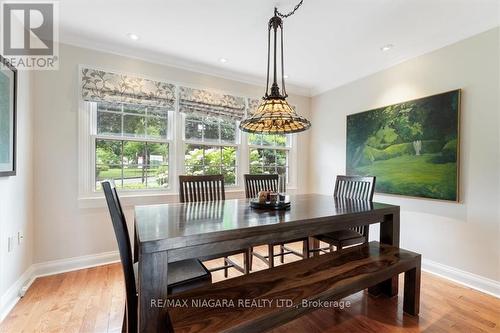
{"points": [[172, 232]]}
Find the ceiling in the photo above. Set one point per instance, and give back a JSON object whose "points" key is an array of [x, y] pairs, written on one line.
{"points": [[327, 42]]}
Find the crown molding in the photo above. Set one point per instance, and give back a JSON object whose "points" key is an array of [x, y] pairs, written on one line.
{"points": [[171, 61]]}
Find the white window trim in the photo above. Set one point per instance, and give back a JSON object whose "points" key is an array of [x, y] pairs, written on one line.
{"points": [[237, 144], [89, 198], [289, 148], [87, 153]]}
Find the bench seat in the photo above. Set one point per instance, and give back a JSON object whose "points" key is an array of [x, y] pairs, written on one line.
{"points": [[327, 277]]}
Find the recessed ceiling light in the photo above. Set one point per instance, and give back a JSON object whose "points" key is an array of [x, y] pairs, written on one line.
{"points": [[133, 36], [223, 60], [386, 48], [285, 76]]}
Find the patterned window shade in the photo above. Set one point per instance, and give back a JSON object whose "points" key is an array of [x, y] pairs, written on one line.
{"points": [[101, 86], [253, 104], [208, 103]]}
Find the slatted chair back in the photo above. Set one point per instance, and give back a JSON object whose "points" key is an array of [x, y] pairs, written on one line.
{"points": [[201, 188], [125, 249], [357, 188], [354, 187], [256, 183]]}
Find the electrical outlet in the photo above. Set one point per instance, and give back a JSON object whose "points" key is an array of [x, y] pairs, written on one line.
{"points": [[20, 237], [10, 244]]}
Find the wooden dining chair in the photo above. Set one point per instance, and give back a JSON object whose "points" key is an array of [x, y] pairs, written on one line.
{"points": [[211, 188], [253, 185], [182, 276], [356, 188]]}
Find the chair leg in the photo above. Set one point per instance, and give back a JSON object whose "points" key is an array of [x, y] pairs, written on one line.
{"points": [[124, 324], [315, 245], [250, 260], [282, 256], [305, 248], [226, 269], [270, 249], [246, 261]]}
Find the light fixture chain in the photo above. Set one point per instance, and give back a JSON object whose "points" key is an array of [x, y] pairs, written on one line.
{"points": [[292, 12]]}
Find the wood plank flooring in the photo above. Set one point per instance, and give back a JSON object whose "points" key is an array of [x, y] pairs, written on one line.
{"points": [[92, 300]]}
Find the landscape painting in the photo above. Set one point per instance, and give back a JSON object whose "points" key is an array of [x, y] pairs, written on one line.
{"points": [[411, 147]]}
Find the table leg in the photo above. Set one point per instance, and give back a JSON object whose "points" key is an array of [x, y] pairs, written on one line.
{"points": [[389, 234], [153, 316]]}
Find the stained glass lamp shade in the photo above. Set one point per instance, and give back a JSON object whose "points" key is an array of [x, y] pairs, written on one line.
{"points": [[275, 116]]}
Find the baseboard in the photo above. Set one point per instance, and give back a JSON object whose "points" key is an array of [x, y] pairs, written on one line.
{"points": [[480, 283], [75, 263], [10, 298]]}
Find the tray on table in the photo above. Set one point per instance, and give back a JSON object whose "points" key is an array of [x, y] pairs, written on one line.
{"points": [[281, 205]]}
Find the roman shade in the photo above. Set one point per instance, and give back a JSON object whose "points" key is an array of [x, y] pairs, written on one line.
{"points": [[253, 104], [208, 103], [102, 86]]}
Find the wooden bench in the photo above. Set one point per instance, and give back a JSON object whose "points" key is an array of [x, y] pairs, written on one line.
{"points": [[324, 278]]}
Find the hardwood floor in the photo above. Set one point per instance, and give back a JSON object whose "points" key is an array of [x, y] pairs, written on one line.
{"points": [[92, 300]]}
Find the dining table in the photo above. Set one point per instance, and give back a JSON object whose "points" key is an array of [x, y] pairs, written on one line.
{"points": [[172, 232]]}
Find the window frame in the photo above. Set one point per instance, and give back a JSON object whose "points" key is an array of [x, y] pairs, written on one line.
{"points": [[288, 148], [87, 138], [146, 116], [122, 140], [236, 142], [220, 143], [87, 147]]}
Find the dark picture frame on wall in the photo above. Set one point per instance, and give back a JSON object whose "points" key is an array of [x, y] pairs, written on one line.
{"points": [[412, 147], [8, 118]]}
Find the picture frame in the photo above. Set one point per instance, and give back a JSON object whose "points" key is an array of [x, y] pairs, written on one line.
{"points": [[8, 118], [412, 147]]}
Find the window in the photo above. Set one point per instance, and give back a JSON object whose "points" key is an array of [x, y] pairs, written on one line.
{"points": [[144, 133], [131, 146], [211, 146], [269, 154]]}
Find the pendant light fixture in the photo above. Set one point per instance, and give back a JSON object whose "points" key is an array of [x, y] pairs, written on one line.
{"points": [[274, 115]]}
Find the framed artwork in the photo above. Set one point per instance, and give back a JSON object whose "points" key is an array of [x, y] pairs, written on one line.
{"points": [[8, 95], [411, 147]]}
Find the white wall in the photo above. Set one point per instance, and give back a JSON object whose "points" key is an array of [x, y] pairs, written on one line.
{"points": [[64, 229], [16, 201], [462, 235]]}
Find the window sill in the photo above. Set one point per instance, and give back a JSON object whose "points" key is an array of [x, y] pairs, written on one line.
{"points": [[129, 200]]}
